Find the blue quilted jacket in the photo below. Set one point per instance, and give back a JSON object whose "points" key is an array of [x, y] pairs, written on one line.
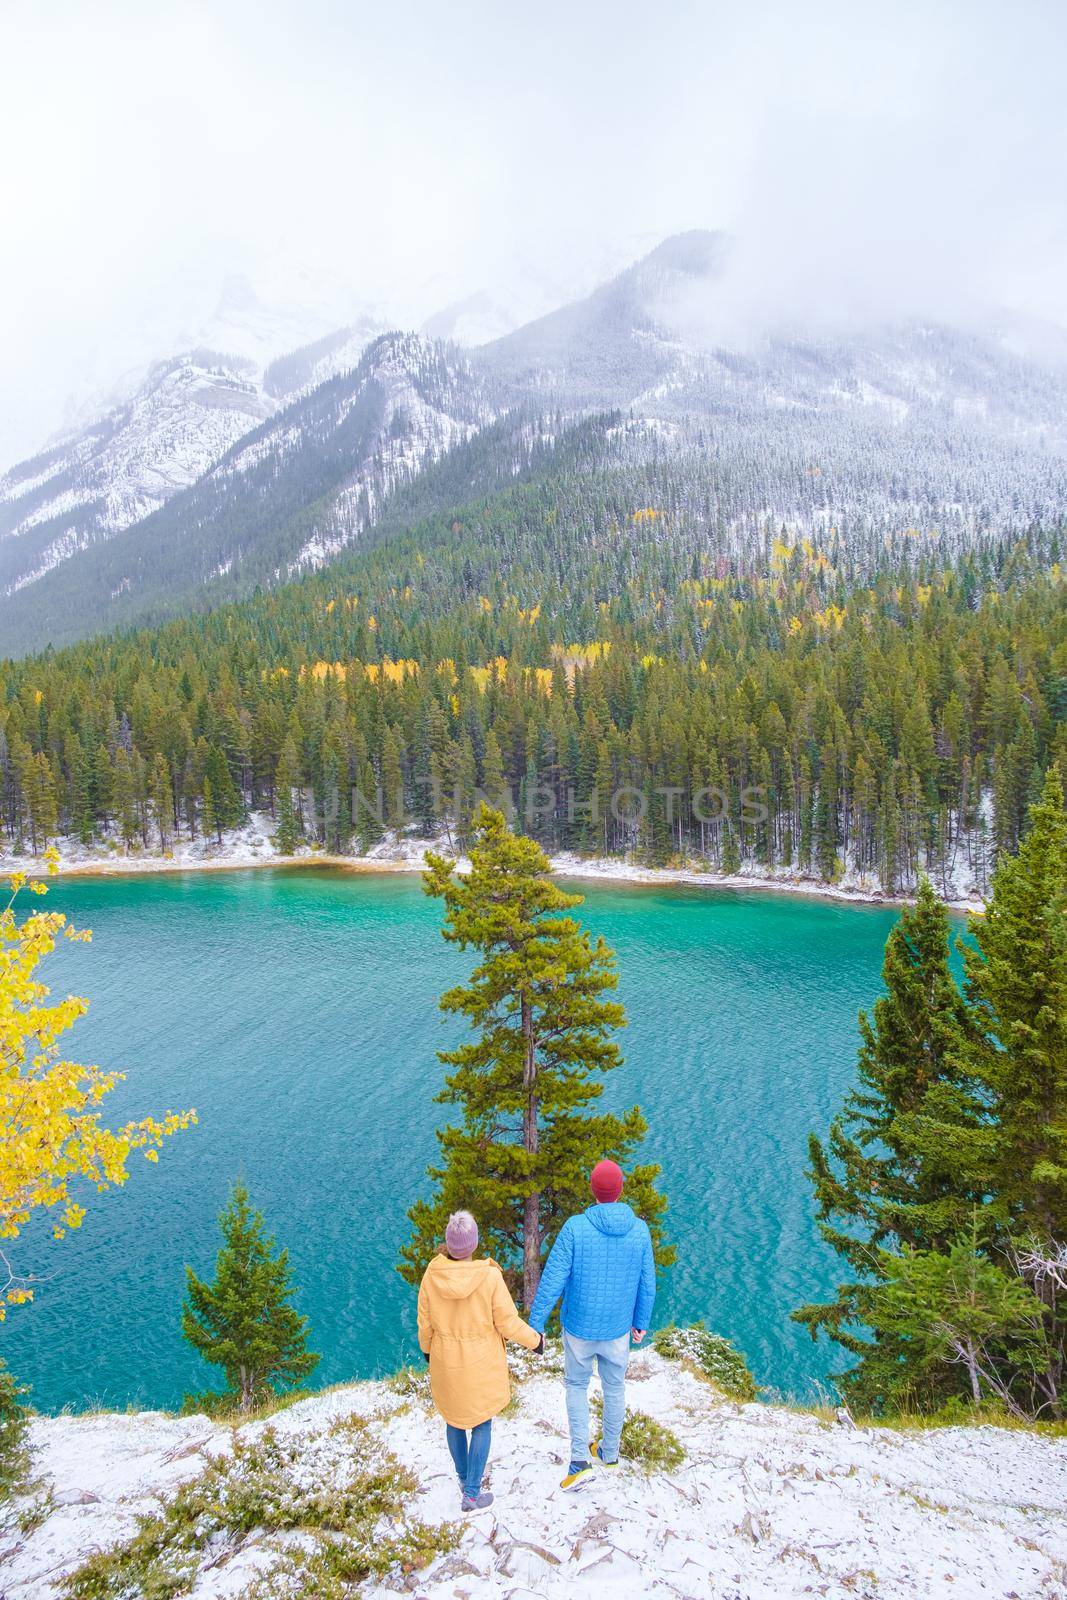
{"points": [[602, 1265]]}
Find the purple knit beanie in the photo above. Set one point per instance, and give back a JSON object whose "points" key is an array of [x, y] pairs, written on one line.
{"points": [[461, 1235]]}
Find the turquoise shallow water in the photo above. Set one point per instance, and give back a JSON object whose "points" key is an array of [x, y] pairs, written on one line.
{"points": [[297, 1012]]}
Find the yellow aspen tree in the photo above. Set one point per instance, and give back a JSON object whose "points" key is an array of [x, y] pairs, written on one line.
{"points": [[51, 1135]]}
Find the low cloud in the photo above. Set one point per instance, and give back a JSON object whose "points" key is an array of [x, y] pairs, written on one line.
{"points": [[868, 162]]}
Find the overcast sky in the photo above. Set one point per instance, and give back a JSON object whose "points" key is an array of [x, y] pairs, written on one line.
{"points": [[871, 159]]}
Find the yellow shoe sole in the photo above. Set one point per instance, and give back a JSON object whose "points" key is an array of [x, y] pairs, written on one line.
{"points": [[574, 1480]]}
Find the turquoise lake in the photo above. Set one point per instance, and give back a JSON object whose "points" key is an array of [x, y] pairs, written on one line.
{"points": [[296, 1010]]}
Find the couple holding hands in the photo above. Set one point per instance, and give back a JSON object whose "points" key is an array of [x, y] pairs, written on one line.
{"points": [[601, 1264]]}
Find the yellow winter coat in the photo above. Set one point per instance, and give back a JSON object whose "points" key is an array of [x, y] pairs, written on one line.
{"points": [[465, 1315]]}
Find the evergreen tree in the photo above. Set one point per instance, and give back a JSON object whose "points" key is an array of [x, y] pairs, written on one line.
{"points": [[162, 799], [14, 1423], [956, 1313], [209, 816], [494, 783], [286, 784], [881, 1179], [392, 782], [227, 807], [124, 797], [243, 1322], [521, 1153], [1016, 981]]}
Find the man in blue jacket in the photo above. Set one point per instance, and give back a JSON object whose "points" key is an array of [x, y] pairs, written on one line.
{"points": [[602, 1265]]}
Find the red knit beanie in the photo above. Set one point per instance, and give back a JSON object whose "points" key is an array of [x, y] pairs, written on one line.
{"points": [[606, 1182]]}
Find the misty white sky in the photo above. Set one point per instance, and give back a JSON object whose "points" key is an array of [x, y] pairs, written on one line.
{"points": [[871, 159]]}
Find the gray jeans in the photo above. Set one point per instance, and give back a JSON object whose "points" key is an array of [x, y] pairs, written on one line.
{"points": [[611, 1357]]}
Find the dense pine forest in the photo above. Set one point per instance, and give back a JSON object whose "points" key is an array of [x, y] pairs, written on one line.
{"points": [[597, 645]]}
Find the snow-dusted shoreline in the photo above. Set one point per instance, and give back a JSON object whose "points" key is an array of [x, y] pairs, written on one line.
{"points": [[767, 1502], [252, 846]]}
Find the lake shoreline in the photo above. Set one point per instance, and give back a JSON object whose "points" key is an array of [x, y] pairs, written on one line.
{"points": [[408, 857]]}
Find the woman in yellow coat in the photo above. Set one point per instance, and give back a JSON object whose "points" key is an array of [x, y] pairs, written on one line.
{"points": [[465, 1315]]}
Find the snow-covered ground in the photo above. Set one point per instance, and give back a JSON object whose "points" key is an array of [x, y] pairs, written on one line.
{"points": [[768, 1503], [253, 845]]}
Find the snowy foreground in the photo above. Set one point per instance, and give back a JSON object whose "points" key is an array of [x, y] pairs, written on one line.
{"points": [[767, 1502], [253, 846]]}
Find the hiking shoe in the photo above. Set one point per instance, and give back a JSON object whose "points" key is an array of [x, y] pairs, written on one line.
{"points": [[578, 1472], [598, 1455], [477, 1502]]}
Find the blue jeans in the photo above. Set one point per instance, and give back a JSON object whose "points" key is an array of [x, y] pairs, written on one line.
{"points": [[470, 1458], [611, 1357]]}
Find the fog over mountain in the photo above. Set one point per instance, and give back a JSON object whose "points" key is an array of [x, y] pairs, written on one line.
{"points": [[219, 474], [179, 171]]}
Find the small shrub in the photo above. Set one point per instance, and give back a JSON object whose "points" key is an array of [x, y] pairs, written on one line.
{"points": [[645, 1442], [648, 1444], [341, 1490], [712, 1356]]}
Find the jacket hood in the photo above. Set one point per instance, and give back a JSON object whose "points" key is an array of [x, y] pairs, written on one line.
{"points": [[457, 1280], [614, 1219]]}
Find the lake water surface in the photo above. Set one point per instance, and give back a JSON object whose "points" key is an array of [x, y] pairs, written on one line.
{"points": [[296, 1010]]}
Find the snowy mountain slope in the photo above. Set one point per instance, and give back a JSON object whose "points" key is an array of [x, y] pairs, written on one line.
{"points": [[306, 367], [765, 1504], [283, 496], [894, 426], [162, 426], [656, 338], [126, 464]]}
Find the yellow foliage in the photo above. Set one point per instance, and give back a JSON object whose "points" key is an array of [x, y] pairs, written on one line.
{"points": [[647, 514], [496, 671], [583, 654], [390, 671], [50, 1129], [485, 603]]}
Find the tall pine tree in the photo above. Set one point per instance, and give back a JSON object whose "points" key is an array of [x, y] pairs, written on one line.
{"points": [[881, 1179], [521, 1153]]}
